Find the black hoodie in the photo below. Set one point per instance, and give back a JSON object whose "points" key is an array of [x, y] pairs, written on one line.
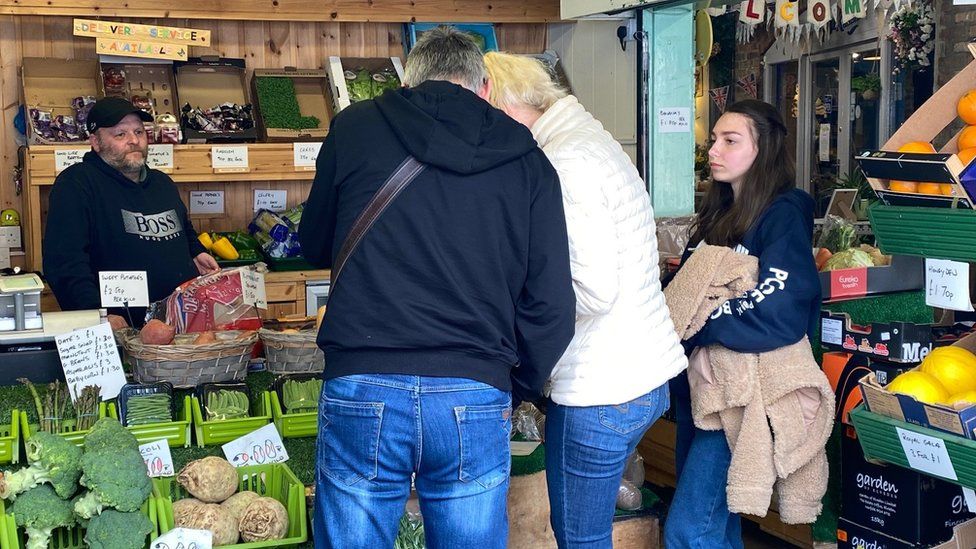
{"points": [[100, 220], [466, 274]]}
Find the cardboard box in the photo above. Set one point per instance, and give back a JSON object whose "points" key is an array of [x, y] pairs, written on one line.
{"points": [[855, 536], [153, 80], [900, 503], [905, 273], [901, 342], [51, 85], [925, 124], [337, 67], [206, 82], [844, 372], [314, 95]]}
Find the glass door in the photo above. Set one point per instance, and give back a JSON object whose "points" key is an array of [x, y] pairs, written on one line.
{"points": [[823, 153]]}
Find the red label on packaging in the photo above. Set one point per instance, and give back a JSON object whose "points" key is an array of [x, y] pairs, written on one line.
{"points": [[849, 283]]}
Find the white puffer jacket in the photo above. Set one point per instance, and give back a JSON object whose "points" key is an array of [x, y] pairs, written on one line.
{"points": [[625, 344]]}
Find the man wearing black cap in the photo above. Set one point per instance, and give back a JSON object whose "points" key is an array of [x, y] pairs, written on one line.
{"points": [[111, 212]]}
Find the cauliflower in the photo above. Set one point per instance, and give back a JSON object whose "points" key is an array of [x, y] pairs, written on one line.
{"points": [[115, 530], [39, 511], [115, 478], [53, 460]]}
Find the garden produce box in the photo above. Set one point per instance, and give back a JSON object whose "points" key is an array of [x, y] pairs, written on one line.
{"points": [[312, 94], [904, 274], [902, 342], [854, 536], [206, 82], [906, 408], [904, 504], [337, 66], [51, 85], [925, 124]]}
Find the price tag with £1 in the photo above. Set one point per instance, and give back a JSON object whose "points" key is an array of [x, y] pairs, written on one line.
{"points": [[159, 461], [258, 447]]}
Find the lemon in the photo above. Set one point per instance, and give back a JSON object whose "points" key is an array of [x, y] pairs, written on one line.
{"points": [[920, 385], [953, 366], [968, 397]]}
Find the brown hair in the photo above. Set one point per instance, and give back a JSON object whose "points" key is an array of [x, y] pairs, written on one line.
{"points": [[723, 220]]}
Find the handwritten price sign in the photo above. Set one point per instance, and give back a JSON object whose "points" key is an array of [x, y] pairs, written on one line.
{"points": [[184, 538], [927, 454], [258, 447], [947, 284], [158, 459]]}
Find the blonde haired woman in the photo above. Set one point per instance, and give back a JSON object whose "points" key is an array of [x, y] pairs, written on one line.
{"points": [[611, 383]]}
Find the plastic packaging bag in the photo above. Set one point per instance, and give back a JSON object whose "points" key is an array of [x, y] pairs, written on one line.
{"points": [[211, 302], [529, 422], [629, 497], [634, 469], [838, 234]]}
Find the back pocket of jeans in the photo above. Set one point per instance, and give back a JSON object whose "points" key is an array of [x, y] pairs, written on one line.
{"points": [[630, 416], [350, 440], [485, 451]]}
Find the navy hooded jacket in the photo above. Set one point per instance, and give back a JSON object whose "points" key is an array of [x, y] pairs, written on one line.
{"points": [[466, 274], [786, 303]]}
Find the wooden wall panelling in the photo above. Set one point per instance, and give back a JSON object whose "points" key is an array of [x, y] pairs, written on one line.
{"points": [[297, 10]]}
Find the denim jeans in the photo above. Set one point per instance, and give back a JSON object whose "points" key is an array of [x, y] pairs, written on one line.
{"points": [[586, 451], [377, 431], [699, 516]]}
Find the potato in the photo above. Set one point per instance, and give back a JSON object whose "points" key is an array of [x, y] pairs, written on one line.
{"points": [[211, 479], [264, 519], [157, 332]]}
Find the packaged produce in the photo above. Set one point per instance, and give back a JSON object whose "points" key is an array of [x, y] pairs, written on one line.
{"points": [[226, 117], [213, 302], [838, 234], [146, 409]]}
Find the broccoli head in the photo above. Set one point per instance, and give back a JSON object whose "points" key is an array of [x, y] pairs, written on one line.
{"points": [[39, 511], [114, 530], [115, 478], [53, 460], [109, 433]]}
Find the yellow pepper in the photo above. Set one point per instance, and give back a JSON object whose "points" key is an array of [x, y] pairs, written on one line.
{"points": [[205, 239], [224, 249]]}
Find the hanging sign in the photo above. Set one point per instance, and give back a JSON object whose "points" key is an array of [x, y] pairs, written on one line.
{"points": [[853, 9], [752, 12], [145, 49], [131, 31], [818, 13], [787, 13]]}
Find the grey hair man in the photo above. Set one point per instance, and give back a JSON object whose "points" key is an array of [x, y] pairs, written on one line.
{"points": [[455, 306]]}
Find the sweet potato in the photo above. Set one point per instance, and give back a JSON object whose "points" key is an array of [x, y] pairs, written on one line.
{"points": [[823, 254], [157, 332], [205, 338]]}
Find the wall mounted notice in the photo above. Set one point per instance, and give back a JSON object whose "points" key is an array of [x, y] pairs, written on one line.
{"points": [[206, 202], [161, 157], [674, 120], [305, 156], [229, 159], [270, 200], [89, 357], [66, 157]]}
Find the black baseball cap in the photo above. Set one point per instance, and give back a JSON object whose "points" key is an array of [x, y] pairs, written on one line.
{"points": [[109, 111]]}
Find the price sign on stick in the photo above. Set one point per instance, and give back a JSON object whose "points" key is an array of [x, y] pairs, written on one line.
{"points": [[123, 288], [183, 538], [258, 447], [159, 461]]}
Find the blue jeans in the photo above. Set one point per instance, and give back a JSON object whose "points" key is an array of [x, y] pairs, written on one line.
{"points": [[377, 431], [699, 516], [586, 451]]}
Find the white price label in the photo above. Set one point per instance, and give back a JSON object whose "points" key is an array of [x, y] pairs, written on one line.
{"points": [[674, 120], [67, 157], [252, 284], [183, 538], [832, 331], [229, 158], [947, 284], [159, 461], [258, 447], [823, 143], [121, 287], [970, 495], [305, 155], [926, 454], [89, 357], [276, 201], [206, 202], [523, 447], [161, 158], [10, 237]]}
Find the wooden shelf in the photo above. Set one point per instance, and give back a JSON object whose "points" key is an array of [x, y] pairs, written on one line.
{"points": [[192, 164]]}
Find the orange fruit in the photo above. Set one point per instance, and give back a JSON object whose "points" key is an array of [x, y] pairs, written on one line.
{"points": [[917, 147], [967, 138], [929, 188], [947, 189], [902, 186], [966, 155], [966, 107]]}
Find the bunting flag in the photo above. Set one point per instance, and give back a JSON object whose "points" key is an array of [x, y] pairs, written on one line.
{"points": [[787, 13], [818, 13], [748, 83], [719, 96], [852, 9], [752, 12]]}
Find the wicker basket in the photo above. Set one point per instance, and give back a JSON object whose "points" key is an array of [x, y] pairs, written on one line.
{"points": [[187, 365], [290, 352]]}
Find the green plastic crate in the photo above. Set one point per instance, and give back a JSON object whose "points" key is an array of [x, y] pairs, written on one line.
{"points": [[176, 433], [879, 441], [281, 264], [76, 437], [213, 433], [274, 480], [928, 232], [10, 440], [66, 538], [301, 425]]}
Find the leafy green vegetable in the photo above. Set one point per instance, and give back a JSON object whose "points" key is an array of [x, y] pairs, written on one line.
{"points": [[847, 259], [279, 104]]}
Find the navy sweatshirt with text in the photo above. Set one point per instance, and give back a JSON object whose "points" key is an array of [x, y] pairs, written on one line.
{"points": [[785, 306], [466, 274]]}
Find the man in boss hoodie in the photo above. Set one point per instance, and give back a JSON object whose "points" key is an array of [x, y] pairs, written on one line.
{"points": [[111, 212], [457, 302]]}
